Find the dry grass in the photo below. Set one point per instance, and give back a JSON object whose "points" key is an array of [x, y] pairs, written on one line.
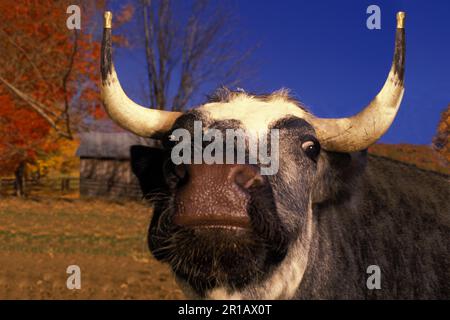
{"points": [[40, 237]]}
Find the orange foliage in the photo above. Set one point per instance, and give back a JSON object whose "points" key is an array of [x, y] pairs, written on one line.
{"points": [[57, 163], [37, 51], [21, 132], [422, 156], [440, 141]]}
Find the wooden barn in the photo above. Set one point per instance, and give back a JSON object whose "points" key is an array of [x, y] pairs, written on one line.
{"points": [[105, 169]]}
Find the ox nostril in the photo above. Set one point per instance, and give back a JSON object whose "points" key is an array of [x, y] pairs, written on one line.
{"points": [[246, 177]]}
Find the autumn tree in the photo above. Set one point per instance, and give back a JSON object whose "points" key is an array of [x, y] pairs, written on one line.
{"points": [[187, 47], [48, 77], [22, 135], [440, 140]]}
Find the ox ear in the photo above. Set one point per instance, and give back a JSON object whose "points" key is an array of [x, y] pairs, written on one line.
{"points": [[147, 165]]}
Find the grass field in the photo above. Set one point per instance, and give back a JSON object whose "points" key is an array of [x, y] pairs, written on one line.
{"points": [[41, 237]]}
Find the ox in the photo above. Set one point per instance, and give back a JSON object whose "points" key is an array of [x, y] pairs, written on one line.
{"points": [[312, 229]]}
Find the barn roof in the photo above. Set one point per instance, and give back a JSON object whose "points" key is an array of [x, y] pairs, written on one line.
{"points": [[110, 145]]}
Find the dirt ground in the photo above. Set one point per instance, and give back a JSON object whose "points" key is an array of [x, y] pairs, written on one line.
{"points": [[40, 238]]}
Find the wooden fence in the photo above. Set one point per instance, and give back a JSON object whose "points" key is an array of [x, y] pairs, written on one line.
{"points": [[59, 185]]}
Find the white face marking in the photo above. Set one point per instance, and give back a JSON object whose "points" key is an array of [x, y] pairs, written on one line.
{"points": [[256, 115]]}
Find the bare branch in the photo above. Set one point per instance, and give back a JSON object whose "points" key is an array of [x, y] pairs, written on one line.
{"points": [[36, 106], [151, 69], [10, 40], [66, 114], [189, 52]]}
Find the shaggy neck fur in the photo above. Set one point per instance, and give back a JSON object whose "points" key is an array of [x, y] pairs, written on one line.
{"points": [[282, 283], [395, 218]]}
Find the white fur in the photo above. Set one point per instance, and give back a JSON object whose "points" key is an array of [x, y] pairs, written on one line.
{"points": [[256, 115]]}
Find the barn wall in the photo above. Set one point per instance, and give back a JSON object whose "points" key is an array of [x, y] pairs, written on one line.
{"points": [[108, 178]]}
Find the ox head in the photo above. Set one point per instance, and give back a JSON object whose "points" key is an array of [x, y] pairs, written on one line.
{"points": [[226, 229]]}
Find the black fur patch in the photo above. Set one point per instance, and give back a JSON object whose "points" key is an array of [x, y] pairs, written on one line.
{"points": [[147, 165]]}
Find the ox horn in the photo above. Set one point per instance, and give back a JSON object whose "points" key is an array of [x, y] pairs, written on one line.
{"points": [[127, 114], [365, 128]]}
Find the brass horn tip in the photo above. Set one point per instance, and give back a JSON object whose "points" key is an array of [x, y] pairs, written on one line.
{"points": [[108, 20], [401, 19]]}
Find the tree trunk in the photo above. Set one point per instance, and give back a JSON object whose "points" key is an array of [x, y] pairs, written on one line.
{"points": [[20, 180], [65, 185]]}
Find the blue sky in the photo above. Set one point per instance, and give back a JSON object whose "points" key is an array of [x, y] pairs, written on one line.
{"points": [[324, 53]]}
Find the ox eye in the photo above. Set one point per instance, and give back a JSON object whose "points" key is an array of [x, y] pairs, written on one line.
{"points": [[311, 148]]}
